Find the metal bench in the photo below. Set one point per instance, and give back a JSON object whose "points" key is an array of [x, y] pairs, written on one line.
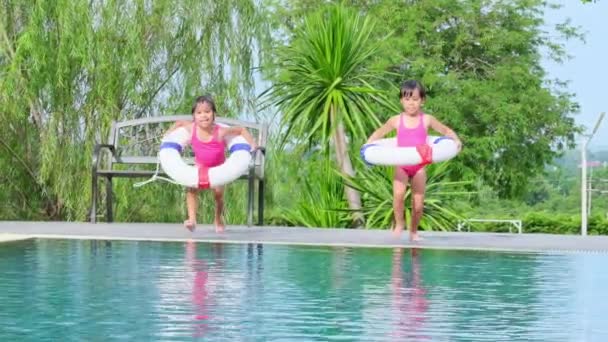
{"points": [[131, 152], [512, 223]]}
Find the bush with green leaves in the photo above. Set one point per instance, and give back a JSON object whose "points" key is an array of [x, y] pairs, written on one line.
{"points": [[376, 185]]}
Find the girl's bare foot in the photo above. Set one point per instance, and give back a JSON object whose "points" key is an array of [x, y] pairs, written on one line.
{"points": [[415, 237], [190, 225], [219, 226], [397, 230]]}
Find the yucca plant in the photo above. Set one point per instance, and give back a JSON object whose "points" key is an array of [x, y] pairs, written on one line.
{"points": [[324, 89], [376, 185], [320, 203]]}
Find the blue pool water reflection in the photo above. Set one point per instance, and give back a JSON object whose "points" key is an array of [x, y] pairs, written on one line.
{"points": [[125, 290]]}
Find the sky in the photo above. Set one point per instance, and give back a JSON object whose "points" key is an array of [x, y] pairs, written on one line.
{"points": [[587, 70]]}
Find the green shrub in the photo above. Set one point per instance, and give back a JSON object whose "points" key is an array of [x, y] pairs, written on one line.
{"points": [[550, 223]]}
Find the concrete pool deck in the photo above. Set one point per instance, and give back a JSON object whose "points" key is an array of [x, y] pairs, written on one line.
{"points": [[18, 230], [13, 237]]}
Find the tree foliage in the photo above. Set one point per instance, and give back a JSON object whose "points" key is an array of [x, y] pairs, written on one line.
{"points": [[70, 67], [481, 63]]}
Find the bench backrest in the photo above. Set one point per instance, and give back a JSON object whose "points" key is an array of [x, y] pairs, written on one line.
{"points": [[137, 141]]}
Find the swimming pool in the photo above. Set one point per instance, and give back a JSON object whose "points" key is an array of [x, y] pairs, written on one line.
{"points": [[124, 290]]}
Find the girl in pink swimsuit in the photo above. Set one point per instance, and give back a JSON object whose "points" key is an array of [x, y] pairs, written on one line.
{"points": [[412, 126], [209, 151], [414, 137]]}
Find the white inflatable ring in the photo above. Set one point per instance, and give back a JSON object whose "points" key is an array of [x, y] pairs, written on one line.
{"points": [[386, 152], [191, 176]]}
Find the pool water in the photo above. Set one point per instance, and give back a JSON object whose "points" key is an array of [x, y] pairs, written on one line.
{"points": [[72, 290]]}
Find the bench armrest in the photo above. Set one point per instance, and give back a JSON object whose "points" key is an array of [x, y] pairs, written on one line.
{"points": [[261, 149], [96, 153], [259, 154]]}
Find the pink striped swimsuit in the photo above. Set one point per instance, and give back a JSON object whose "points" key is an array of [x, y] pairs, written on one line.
{"points": [[414, 137], [211, 153]]}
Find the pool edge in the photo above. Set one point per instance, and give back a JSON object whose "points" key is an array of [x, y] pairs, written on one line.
{"points": [[9, 237], [318, 244]]}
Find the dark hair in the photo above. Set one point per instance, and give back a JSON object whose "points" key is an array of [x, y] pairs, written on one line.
{"points": [[408, 87], [204, 99]]}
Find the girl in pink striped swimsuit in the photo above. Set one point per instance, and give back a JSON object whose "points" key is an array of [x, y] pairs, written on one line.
{"points": [[412, 126], [209, 148]]}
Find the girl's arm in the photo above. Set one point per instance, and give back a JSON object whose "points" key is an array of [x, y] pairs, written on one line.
{"points": [[443, 129], [178, 124], [239, 131], [382, 131]]}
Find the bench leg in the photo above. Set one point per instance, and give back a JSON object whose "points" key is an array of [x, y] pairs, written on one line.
{"points": [[261, 203], [94, 195], [109, 216], [250, 194]]}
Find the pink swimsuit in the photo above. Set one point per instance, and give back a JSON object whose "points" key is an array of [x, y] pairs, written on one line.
{"points": [[414, 137], [211, 153]]}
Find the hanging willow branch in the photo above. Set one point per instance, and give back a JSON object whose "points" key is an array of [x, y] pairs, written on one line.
{"points": [[73, 66]]}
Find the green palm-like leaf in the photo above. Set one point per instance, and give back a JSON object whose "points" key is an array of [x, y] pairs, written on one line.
{"points": [[321, 203], [376, 186], [324, 86], [324, 69]]}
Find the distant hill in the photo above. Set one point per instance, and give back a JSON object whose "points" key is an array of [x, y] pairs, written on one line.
{"points": [[600, 155], [572, 158], [598, 148]]}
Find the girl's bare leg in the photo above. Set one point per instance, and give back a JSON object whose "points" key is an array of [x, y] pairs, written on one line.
{"points": [[399, 187], [191, 204], [218, 194], [418, 189]]}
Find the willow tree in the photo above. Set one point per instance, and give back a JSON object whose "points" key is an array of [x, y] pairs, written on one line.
{"points": [[70, 67], [323, 90]]}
